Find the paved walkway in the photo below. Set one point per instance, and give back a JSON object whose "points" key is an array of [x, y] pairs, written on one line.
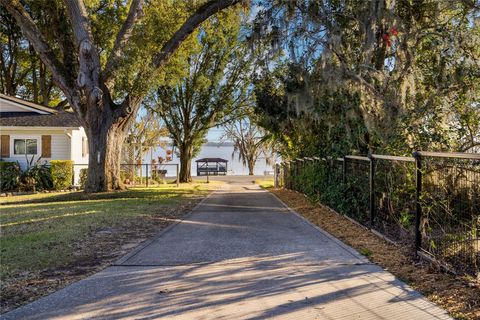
{"points": [[240, 255]]}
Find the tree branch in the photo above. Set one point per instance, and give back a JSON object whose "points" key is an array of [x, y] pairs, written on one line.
{"points": [[80, 23], [88, 77], [134, 14], [132, 101], [202, 14]]}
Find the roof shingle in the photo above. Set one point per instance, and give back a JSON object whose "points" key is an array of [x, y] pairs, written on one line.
{"points": [[54, 118], [31, 119]]}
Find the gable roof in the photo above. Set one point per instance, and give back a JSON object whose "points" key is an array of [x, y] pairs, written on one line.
{"points": [[26, 105], [34, 115]]}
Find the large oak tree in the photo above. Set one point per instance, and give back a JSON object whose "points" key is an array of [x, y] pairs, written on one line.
{"points": [[103, 60]]}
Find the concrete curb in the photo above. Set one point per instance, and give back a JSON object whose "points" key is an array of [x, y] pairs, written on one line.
{"points": [[146, 243]]}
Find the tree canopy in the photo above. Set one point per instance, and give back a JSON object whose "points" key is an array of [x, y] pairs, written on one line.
{"points": [[215, 86], [329, 77], [383, 76]]}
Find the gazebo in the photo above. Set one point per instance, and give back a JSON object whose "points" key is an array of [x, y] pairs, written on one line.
{"points": [[211, 166]]}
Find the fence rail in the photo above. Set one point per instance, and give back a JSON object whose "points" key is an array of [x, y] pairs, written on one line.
{"points": [[430, 201], [132, 174]]}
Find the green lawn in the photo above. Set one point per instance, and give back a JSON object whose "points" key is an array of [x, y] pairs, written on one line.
{"points": [[265, 183], [58, 230]]}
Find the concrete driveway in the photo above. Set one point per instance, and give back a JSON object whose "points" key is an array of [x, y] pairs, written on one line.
{"points": [[240, 255]]}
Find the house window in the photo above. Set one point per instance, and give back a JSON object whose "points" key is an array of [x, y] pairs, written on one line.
{"points": [[25, 146]]}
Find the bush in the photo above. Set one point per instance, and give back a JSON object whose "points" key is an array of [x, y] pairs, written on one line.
{"points": [[37, 176], [83, 177], [62, 173], [9, 176]]}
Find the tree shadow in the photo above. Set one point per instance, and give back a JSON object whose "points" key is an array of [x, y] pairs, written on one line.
{"points": [[276, 266], [123, 194], [252, 288]]}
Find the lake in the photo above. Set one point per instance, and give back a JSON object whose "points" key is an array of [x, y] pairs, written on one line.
{"points": [[212, 150]]}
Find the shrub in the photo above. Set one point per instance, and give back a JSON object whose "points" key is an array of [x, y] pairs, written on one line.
{"points": [[83, 177], [9, 175], [62, 173], [37, 176]]}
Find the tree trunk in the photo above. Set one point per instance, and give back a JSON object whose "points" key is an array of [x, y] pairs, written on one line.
{"points": [[251, 166], [106, 136], [105, 147], [185, 174]]}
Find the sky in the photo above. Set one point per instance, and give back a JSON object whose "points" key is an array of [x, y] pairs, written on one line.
{"points": [[215, 134]]}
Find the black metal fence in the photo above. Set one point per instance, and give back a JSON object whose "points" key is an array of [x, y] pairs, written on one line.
{"points": [[430, 201], [135, 175]]}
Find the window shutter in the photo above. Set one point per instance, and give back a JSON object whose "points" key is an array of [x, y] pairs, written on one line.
{"points": [[46, 146], [5, 146]]}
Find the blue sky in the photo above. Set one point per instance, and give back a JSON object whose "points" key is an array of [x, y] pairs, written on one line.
{"points": [[215, 134]]}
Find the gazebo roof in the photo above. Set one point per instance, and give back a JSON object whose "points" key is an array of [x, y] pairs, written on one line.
{"points": [[211, 160]]}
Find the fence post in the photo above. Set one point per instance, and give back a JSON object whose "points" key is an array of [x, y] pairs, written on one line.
{"points": [[372, 190], [418, 205], [146, 173], [73, 174], [295, 173], [141, 174], [344, 171], [287, 176], [275, 175], [178, 182]]}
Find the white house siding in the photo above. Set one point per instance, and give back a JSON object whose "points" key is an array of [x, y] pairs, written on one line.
{"points": [[78, 156], [60, 147]]}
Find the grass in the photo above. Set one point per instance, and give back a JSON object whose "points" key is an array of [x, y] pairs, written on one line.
{"points": [[43, 234], [265, 183]]}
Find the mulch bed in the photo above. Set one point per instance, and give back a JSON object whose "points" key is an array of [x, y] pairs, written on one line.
{"points": [[101, 249], [460, 296]]}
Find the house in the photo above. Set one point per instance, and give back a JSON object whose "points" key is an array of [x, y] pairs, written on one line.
{"points": [[30, 130]]}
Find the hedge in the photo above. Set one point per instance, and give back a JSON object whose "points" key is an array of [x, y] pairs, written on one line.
{"points": [[9, 175], [83, 177], [62, 173]]}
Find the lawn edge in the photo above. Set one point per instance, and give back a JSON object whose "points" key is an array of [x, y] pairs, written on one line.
{"points": [[121, 261]]}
